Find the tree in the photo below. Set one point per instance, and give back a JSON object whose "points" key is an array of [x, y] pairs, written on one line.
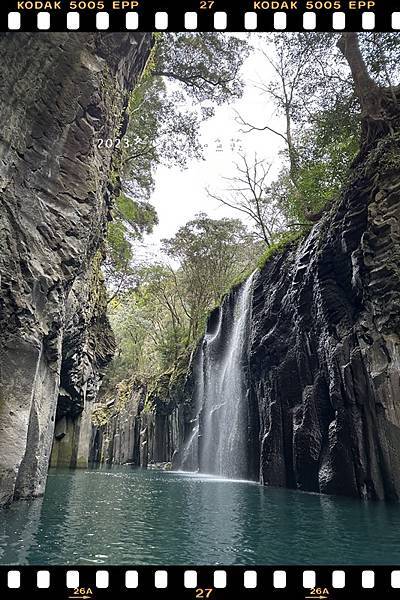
{"points": [[131, 221], [367, 90], [284, 88], [211, 253], [132, 328], [311, 75], [250, 194], [326, 151], [379, 104], [161, 283], [207, 64], [187, 76], [313, 93], [150, 326]]}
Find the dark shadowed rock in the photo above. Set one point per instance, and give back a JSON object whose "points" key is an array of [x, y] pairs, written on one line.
{"points": [[136, 434], [325, 362]]}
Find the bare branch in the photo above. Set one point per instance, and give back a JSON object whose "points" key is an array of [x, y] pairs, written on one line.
{"points": [[255, 128]]}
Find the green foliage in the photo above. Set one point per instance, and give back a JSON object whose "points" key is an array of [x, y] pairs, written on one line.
{"points": [[381, 51], [139, 217], [119, 250], [131, 221], [157, 323], [326, 151], [211, 253], [278, 247], [149, 326], [207, 64], [187, 75]]}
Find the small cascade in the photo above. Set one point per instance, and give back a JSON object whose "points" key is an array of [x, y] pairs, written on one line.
{"points": [[189, 460], [217, 443], [190, 453]]}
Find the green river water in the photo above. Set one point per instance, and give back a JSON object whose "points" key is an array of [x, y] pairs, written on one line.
{"points": [[135, 517]]}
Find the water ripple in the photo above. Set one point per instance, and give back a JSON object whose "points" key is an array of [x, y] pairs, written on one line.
{"points": [[126, 516]]}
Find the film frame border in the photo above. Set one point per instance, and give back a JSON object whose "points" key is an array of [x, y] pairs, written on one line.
{"points": [[203, 15], [249, 581], [204, 582]]}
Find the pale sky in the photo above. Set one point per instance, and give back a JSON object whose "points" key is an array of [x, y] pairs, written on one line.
{"points": [[179, 195]]}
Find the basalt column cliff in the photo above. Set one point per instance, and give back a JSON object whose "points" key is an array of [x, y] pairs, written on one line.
{"points": [[325, 358], [59, 93]]}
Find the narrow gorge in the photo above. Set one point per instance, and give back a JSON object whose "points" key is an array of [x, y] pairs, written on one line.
{"points": [[199, 299], [296, 381]]}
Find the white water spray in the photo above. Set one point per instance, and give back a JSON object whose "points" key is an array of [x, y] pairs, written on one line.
{"points": [[224, 416]]}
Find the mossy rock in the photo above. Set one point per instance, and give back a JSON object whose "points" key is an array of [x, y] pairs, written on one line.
{"points": [[279, 247]]}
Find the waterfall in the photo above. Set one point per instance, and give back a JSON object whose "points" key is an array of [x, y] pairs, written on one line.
{"points": [[224, 416], [217, 442]]}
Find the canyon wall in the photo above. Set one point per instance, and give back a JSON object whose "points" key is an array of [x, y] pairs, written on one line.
{"points": [[87, 348], [59, 93], [325, 355], [135, 434]]}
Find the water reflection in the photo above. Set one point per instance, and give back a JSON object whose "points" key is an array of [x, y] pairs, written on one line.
{"points": [[123, 516], [19, 527]]}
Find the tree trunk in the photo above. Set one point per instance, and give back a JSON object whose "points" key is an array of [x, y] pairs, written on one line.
{"points": [[379, 106], [368, 92]]}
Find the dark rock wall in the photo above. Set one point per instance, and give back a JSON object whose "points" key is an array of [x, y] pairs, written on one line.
{"points": [[136, 436], [87, 348], [59, 92], [325, 366]]}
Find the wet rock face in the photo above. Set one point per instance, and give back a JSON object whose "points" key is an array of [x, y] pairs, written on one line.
{"points": [[59, 93], [87, 348], [136, 436], [325, 354], [88, 342]]}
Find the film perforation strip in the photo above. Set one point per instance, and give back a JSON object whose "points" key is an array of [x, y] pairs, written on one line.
{"points": [[190, 21], [242, 579]]}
